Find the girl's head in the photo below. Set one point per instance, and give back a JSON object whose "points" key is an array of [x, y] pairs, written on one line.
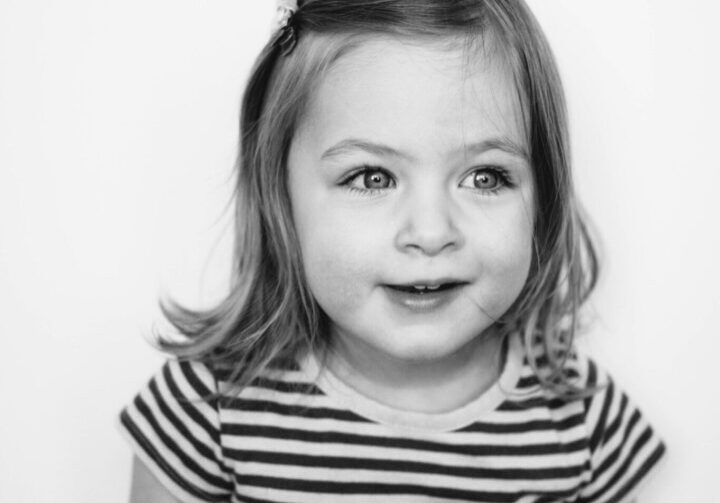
{"points": [[387, 144]]}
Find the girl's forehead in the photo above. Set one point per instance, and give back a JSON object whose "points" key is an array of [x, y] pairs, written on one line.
{"points": [[408, 87], [454, 52]]}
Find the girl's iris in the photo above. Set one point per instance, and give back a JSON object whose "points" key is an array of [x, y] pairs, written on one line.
{"points": [[486, 180], [376, 180]]}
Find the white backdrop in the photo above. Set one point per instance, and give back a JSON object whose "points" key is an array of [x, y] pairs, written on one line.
{"points": [[118, 124]]}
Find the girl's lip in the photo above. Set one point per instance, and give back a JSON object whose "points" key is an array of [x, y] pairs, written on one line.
{"points": [[423, 301], [429, 286], [433, 283]]}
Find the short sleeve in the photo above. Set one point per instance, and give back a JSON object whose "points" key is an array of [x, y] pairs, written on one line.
{"points": [[624, 448], [174, 429]]}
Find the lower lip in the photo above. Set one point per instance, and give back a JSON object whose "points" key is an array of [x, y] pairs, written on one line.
{"points": [[423, 302]]}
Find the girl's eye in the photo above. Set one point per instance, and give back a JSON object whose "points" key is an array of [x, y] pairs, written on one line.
{"points": [[486, 179], [369, 179]]}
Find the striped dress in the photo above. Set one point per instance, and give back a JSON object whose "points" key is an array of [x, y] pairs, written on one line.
{"points": [[302, 435]]}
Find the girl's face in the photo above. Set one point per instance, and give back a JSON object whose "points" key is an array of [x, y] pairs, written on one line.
{"points": [[412, 197]]}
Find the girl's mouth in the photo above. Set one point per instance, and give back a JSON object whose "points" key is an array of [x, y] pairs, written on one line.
{"points": [[424, 289], [423, 298]]}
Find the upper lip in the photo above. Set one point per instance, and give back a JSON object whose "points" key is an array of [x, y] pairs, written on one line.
{"points": [[428, 282]]}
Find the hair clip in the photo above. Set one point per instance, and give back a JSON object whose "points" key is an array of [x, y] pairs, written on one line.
{"points": [[287, 33], [285, 10]]}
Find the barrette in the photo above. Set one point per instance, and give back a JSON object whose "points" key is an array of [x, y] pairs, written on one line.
{"points": [[286, 31], [285, 10]]}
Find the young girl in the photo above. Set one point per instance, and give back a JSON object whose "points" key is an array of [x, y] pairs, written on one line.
{"points": [[410, 262]]}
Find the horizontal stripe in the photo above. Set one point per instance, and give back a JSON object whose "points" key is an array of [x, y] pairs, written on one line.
{"points": [[246, 430], [249, 499], [520, 415], [352, 476], [249, 405], [521, 427], [285, 397], [281, 386], [238, 444], [519, 437], [390, 489], [539, 402], [357, 463], [292, 373]]}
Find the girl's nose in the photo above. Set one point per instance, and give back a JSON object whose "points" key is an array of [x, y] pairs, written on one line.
{"points": [[428, 227]]}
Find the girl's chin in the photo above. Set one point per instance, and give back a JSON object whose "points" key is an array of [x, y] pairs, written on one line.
{"points": [[449, 338], [430, 347]]}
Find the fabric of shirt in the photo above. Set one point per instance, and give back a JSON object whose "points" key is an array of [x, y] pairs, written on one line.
{"points": [[303, 435]]}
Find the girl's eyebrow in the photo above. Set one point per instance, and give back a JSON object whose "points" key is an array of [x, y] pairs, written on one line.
{"points": [[348, 145], [503, 143]]}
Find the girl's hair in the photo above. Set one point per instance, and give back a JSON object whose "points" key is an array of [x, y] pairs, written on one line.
{"points": [[269, 314]]}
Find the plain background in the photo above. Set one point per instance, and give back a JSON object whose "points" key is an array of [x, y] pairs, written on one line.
{"points": [[118, 124]]}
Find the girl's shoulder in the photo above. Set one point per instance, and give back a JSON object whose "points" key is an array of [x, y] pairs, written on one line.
{"points": [[623, 446], [179, 422], [174, 428], [588, 386], [596, 419]]}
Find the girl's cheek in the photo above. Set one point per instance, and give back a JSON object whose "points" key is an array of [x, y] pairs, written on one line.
{"points": [[337, 266], [504, 257], [336, 286]]}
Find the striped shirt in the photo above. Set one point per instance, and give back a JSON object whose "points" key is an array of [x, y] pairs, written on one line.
{"points": [[302, 435]]}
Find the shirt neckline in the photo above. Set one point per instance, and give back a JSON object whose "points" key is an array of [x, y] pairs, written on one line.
{"points": [[350, 399]]}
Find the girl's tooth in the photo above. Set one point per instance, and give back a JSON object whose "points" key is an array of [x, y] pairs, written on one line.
{"points": [[426, 287]]}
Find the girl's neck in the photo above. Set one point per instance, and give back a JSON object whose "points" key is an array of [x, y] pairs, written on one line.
{"points": [[429, 386]]}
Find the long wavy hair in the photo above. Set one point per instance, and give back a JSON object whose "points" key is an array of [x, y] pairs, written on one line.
{"points": [[269, 315]]}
